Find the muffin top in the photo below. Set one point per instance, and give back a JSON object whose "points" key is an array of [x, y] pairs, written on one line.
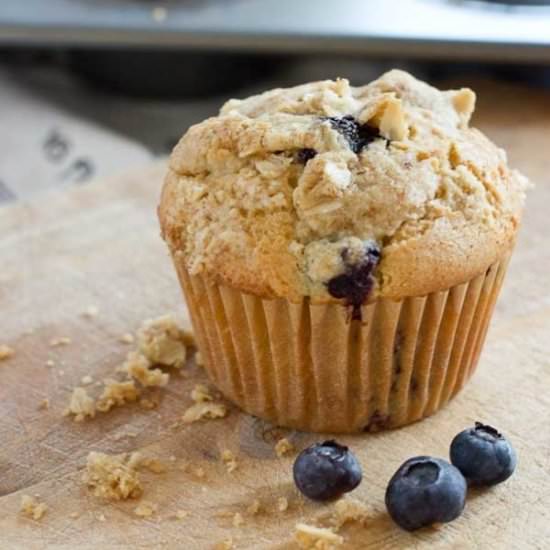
{"points": [[341, 193]]}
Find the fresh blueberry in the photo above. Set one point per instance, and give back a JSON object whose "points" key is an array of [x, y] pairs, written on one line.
{"points": [[357, 135], [326, 470], [355, 284], [483, 455], [424, 491]]}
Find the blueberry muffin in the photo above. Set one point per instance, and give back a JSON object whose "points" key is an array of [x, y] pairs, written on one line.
{"points": [[341, 248]]}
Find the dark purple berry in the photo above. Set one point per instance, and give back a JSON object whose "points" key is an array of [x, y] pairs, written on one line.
{"points": [[357, 135], [355, 284], [483, 455], [303, 155], [424, 491], [325, 471]]}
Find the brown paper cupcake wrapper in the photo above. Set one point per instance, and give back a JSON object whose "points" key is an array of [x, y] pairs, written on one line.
{"points": [[310, 367]]}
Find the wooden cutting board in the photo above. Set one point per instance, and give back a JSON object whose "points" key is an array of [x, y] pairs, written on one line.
{"points": [[100, 246]]}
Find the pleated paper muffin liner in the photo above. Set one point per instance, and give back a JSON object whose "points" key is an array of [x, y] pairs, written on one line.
{"points": [[312, 368]]}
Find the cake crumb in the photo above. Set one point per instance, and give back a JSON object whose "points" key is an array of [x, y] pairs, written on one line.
{"points": [[137, 366], [282, 504], [81, 405], [74, 515], [50, 363], [90, 312], [148, 404], [283, 447], [154, 465], [101, 517], [32, 508], [86, 380], [349, 510], [319, 538], [119, 436], [6, 352], [229, 459], [199, 360], [200, 411], [117, 394], [199, 472], [58, 342], [181, 514], [127, 338], [145, 509], [200, 394], [172, 458], [238, 520], [113, 477], [188, 338], [162, 341], [226, 544], [253, 508], [44, 404]]}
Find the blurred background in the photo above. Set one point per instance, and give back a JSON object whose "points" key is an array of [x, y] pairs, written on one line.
{"points": [[93, 87]]}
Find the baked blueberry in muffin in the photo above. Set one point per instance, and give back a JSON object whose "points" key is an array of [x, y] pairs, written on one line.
{"points": [[355, 284]]}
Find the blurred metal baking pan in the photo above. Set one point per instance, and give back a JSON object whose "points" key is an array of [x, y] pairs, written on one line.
{"points": [[433, 29]]}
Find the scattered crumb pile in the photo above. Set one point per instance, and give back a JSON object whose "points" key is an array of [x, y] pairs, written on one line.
{"points": [[32, 508], [6, 352], [349, 510], [346, 510], [238, 519], [113, 477], [204, 406], [319, 538], [160, 342], [163, 342], [81, 405], [283, 447], [138, 367], [116, 477], [116, 394]]}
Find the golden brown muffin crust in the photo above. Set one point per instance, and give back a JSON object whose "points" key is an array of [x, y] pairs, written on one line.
{"points": [[278, 192]]}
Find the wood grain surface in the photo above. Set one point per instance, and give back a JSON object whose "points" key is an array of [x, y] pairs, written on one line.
{"points": [[100, 246]]}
